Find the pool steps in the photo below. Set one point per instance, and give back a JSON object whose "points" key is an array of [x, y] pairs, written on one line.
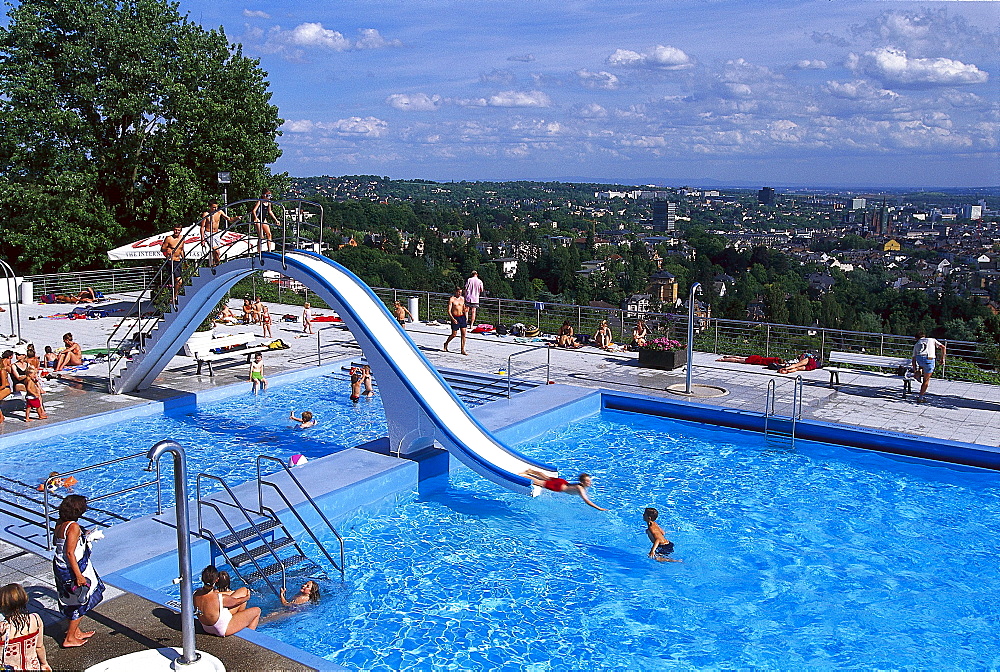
{"points": [[473, 388], [263, 537]]}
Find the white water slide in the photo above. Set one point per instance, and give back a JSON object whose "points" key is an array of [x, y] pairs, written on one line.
{"points": [[420, 406]]}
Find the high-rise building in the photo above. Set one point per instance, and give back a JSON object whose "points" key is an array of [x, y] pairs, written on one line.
{"points": [[858, 204], [664, 215], [765, 196], [972, 212]]}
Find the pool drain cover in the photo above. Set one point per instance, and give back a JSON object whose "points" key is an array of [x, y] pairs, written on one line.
{"points": [[698, 391]]}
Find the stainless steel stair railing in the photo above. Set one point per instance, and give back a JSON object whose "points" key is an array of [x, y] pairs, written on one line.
{"points": [[246, 514], [260, 503]]}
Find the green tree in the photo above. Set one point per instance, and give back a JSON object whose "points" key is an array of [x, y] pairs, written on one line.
{"points": [[127, 110]]}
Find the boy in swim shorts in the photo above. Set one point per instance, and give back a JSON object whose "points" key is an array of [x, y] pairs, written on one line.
{"points": [[662, 547], [257, 379], [556, 484]]}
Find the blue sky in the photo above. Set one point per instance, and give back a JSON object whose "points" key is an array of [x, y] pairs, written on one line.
{"points": [[835, 92]]}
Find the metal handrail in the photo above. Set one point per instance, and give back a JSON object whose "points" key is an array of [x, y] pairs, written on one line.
{"points": [[9, 276], [246, 514], [260, 570], [109, 281], [770, 404], [548, 365], [312, 502], [51, 479]]}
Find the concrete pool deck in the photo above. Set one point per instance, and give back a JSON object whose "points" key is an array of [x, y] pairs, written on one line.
{"points": [[962, 411]]}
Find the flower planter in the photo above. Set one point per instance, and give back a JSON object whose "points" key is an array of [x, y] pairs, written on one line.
{"points": [[665, 360]]}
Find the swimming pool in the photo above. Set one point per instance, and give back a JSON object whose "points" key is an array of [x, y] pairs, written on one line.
{"points": [[819, 556], [222, 438]]}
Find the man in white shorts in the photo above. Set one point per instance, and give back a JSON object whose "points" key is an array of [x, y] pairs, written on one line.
{"points": [[211, 221], [924, 352]]}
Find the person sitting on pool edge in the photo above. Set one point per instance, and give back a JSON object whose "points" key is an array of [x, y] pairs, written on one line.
{"points": [[221, 615], [662, 547], [562, 485], [309, 592]]}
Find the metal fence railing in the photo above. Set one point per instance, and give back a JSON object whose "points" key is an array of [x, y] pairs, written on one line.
{"points": [[966, 360], [108, 281]]}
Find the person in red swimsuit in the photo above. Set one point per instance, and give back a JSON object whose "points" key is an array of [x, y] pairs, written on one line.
{"points": [[556, 484]]}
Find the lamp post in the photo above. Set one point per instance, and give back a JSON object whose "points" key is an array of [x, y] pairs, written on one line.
{"points": [[695, 288], [224, 179]]}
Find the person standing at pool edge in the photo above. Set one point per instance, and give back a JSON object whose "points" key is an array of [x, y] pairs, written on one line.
{"points": [[662, 547], [473, 288], [78, 585], [924, 351], [257, 379], [459, 321], [562, 485]]}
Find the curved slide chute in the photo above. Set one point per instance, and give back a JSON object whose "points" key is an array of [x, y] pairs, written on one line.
{"points": [[420, 406]]}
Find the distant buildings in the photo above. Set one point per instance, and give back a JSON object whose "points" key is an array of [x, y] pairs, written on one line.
{"points": [[664, 215], [766, 196], [973, 212], [857, 204]]}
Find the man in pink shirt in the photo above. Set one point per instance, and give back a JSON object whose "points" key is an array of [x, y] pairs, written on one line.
{"points": [[473, 288]]}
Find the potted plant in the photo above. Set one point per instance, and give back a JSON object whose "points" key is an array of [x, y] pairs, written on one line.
{"points": [[662, 353]]}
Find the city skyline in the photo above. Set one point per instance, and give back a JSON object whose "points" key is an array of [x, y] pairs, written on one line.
{"points": [[844, 93]]}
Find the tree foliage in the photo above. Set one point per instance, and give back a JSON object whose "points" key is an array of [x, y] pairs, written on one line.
{"points": [[117, 116]]}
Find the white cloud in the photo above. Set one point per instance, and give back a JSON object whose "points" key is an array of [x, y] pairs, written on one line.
{"points": [[315, 35], [369, 127], [469, 102], [414, 102], [658, 58], [893, 66], [524, 58], [591, 111], [298, 126], [519, 99], [292, 44], [810, 65], [371, 39], [255, 14], [859, 89], [598, 80]]}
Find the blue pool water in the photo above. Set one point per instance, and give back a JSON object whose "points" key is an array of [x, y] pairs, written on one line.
{"points": [[816, 557], [222, 438]]}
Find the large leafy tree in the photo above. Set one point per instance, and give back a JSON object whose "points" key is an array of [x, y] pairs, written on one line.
{"points": [[117, 115]]}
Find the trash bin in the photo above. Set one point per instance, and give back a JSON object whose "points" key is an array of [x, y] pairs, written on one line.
{"points": [[27, 292], [413, 305]]}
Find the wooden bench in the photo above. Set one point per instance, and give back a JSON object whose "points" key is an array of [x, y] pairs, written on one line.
{"points": [[201, 345], [858, 359]]}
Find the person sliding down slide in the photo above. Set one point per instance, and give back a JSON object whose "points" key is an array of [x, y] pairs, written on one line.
{"points": [[562, 485]]}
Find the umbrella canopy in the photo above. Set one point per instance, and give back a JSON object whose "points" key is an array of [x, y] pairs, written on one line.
{"points": [[237, 244]]}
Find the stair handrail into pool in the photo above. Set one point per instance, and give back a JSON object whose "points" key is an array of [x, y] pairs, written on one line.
{"points": [[48, 486], [15, 509], [158, 292], [249, 518], [260, 504], [770, 405], [548, 364]]}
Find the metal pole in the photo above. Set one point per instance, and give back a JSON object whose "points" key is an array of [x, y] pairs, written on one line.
{"points": [[696, 287], [189, 654]]}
